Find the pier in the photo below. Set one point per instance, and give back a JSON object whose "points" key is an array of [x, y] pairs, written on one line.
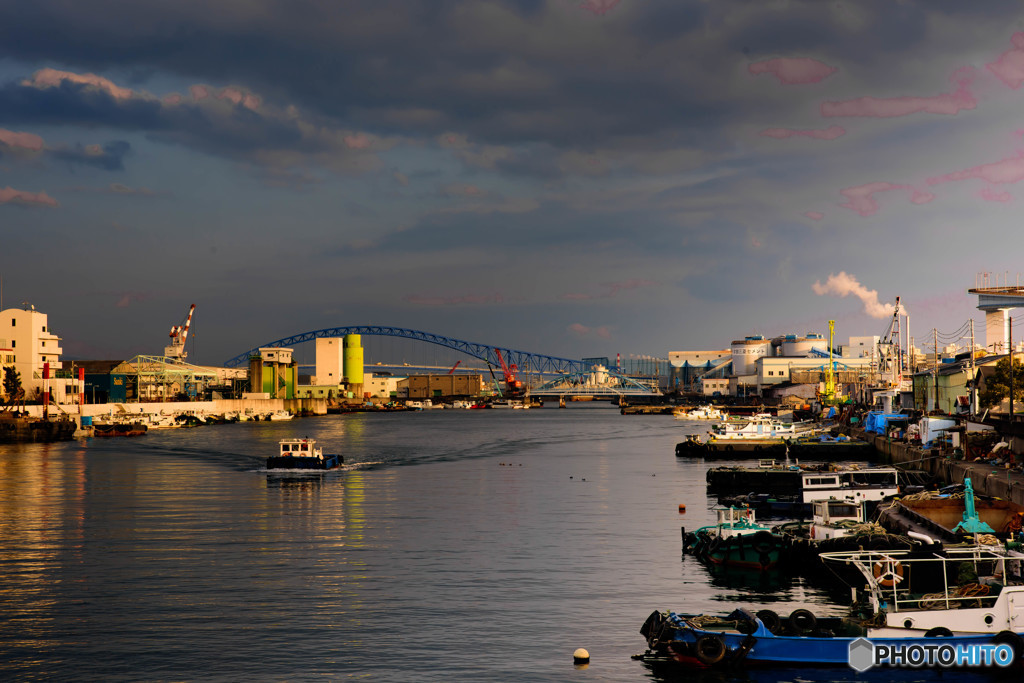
{"points": [[987, 479]]}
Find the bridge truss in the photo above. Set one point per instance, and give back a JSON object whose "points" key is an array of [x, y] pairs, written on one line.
{"points": [[608, 383], [533, 363]]}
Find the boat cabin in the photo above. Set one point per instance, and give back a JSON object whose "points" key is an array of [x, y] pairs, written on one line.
{"points": [[915, 591], [833, 518], [874, 483], [301, 448]]}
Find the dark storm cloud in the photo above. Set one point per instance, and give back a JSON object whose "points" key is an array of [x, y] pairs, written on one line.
{"points": [[503, 72]]}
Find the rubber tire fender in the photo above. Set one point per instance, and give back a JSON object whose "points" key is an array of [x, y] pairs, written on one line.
{"points": [[939, 632], [1014, 641], [770, 620], [763, 542], [709, 649], [803, 620]]}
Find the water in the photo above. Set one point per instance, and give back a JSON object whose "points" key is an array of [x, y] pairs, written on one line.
{"points": [[454, 545]]}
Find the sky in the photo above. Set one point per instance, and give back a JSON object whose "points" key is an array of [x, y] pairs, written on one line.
{"points": [[574, 178]]}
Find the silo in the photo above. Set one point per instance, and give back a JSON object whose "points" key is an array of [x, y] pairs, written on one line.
{"points": [[353, 359], [795, 347], [817, 341], [745, 353]]}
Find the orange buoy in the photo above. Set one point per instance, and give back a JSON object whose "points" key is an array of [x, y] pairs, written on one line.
{"points": [[682, 508]]}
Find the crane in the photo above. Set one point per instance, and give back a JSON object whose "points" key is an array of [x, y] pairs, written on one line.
{"points": [[454, 366], [887, 348], [179, 334], [511, 383]]}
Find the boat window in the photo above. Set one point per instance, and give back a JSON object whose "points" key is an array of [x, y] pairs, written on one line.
{"points": [[305, 447]]}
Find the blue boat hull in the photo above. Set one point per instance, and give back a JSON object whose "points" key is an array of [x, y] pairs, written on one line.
{"points": [[671, 636]]}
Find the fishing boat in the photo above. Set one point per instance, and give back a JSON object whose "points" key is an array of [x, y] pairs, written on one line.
{"points": [[736, 540], [828, 447], [302, 454], [759, 435], [849, 483], [280, 415], [954, 596], [949, 514], [119, 429], [708, 412]]}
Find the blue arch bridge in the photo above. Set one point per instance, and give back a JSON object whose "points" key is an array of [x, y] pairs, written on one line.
{"points": [[559, 376]]}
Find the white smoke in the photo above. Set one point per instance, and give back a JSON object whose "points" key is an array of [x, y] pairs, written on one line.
{"points": [[844, 285]]}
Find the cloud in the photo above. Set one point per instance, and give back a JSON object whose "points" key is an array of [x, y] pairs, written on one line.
{"points": [[844, 285], [52, 78], [109, 157], [862, 198], [1009, 68], [231, 122], [814, 215], [9, 195], [611, 289], [126, 299], [599, 7], [830, 133], [948, 104], [793, 71], [401, 178], [28, 141], [463, 190], [990, 195], [603, 332], [478, 299], [1009, 170]]}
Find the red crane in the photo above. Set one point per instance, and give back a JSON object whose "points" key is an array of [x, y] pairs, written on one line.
{"points": [[454, 366], [179, 334], [513, 384]]}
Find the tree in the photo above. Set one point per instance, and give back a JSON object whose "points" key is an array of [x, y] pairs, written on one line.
{"points": [[997, 385], [12, 387]]}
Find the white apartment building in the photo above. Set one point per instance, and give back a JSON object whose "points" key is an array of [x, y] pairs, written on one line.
{"points": [[25, 338], [330, 360]]}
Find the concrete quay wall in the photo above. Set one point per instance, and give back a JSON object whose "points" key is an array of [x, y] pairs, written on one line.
{"points": [[315, 406], [989, 480]]}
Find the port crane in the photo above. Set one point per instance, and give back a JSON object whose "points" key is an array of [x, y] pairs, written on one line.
{"points": [[889, 354], [512, 384], [179, 334]]}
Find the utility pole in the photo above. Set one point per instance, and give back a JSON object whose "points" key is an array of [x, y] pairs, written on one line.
{"points": [[1009, 340], [935, 341], [974, 372]]}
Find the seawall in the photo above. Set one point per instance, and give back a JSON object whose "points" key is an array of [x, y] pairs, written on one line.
{"points": [[990, 480]]}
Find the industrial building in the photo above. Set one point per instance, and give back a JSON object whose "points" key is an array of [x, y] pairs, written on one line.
{"points": [[441, 386]]}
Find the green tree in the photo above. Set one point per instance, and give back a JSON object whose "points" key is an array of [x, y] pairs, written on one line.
{"points": [[997, 385], [12, 386]]}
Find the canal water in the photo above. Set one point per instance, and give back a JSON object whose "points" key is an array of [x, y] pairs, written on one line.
{"points": [[470, 545]]}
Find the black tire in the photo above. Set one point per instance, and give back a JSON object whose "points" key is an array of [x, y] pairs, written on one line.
{"points": [[762, 542], [1014, 641], [803, 620], [938, 632], [728, 449], [709, 649], [770, 620]]}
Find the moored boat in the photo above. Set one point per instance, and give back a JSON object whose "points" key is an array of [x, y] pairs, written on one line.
{"points": [[737, 540], [302, 454], [960, 597]]}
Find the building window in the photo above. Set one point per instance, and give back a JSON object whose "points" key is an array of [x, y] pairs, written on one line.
{"points": [[14, 322], [44, 343], [770, 373]]}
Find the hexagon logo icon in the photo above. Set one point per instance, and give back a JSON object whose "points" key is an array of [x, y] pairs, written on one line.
{"points": [[862, 654]]}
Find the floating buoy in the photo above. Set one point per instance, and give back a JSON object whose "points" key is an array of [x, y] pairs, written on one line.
{"points": [[580, 656], [682, 508]]}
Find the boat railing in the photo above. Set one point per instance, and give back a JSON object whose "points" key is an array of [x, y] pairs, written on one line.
{"points": [[970, 576]]}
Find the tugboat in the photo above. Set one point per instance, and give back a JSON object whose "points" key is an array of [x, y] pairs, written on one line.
{"points": [[737, 540], [303, 454]]}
